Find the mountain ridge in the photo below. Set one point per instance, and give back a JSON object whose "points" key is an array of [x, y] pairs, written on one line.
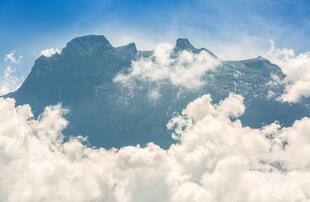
{"points": [[81, 78]]}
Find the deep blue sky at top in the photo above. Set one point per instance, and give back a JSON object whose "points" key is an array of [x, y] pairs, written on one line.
{"points": [[29, 26]]}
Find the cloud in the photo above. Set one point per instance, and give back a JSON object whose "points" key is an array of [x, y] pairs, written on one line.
{"points": [[12, 58], [183, 70], [10, 81], [196, 110], [50, 52], [216, 159], [297, 69]]}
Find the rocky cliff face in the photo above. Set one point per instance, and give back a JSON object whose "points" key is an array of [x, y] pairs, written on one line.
{"points": [[81, 78]]}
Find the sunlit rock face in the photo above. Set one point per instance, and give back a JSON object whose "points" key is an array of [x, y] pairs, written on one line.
{"points": [[111, 114]]}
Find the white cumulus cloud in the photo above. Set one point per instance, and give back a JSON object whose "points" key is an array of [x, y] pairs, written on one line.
{"points": [[216, 159], [12, 58], [297, 69], [9, 80], [50, 52]]}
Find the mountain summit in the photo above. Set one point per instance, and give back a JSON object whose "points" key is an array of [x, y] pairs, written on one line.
{"points": [[87, 45], [184, 44], [81, 78]]}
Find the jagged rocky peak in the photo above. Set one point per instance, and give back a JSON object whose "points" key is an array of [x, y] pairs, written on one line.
{"points": [[130, 47], [184, 44], [256, 65], [261, 58], [87, 44]]}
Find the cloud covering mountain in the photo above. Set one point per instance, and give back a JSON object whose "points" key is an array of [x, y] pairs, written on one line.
{"points": [[184, 101], [216, 159], [184, 70], [119, 96], [176, 124]]}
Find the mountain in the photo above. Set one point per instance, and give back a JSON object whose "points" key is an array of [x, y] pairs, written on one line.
{"points": [[81, 78]]}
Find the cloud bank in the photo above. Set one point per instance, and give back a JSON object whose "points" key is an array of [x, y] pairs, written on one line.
{"points": [[184, 69], [297, 69], [215, 159]]}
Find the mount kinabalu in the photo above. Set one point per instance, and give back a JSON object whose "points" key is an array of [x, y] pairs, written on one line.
{"points": [[81, 78]]}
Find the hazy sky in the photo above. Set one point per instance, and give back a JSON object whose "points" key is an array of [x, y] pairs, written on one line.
{"points": [[231, 29]]}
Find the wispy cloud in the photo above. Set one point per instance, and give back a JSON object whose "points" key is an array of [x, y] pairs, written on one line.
{"points": [[10, 81], [12, 58]]}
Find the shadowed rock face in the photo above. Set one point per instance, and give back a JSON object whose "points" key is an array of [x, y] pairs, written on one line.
{"points": [[81, 78]]}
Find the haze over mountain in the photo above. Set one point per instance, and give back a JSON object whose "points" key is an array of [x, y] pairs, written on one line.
{"points": [[82, 79]]}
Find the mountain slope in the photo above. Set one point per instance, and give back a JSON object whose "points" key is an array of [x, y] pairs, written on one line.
{"points": [[81, 78]]}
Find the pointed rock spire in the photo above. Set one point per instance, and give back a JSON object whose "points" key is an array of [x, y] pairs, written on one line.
{"points": [[184, 44]]}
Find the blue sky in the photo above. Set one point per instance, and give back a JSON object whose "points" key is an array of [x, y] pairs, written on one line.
{"points": [[231, 29]]}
